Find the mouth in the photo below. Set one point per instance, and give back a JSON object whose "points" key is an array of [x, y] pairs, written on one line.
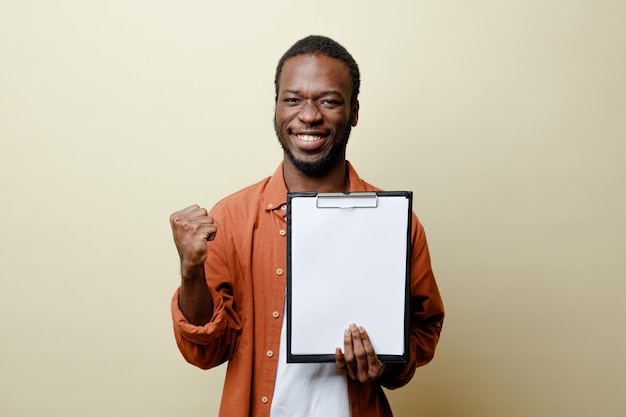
{"points": [[309, 138], [309, 142]]}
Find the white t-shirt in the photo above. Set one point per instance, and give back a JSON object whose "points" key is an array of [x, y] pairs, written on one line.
{"points": [[308, 389]]}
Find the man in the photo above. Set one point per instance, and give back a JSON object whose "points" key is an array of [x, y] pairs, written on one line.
{"points": [[230, 304]]}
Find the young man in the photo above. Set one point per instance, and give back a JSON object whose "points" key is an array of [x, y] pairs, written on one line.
{"points": [[230, 304]]}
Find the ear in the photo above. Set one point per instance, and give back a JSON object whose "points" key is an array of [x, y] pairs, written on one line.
{"points": [[354, 113]]}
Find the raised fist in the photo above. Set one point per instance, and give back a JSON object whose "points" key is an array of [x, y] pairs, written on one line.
{"points": [[192, 227]]}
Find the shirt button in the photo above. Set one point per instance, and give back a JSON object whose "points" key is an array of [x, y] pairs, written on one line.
{"points": [[284, 207], [275, 314], [282, 232], [279, 271], [269, 353], [264, 400], [270, 205]]}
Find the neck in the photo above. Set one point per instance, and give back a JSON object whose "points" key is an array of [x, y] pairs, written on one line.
{"points": [[336, 180]]}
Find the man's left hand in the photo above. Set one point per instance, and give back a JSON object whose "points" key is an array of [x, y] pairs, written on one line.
{"points": [[359, 359]]}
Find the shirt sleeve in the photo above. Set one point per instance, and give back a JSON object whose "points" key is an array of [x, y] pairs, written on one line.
{"points": [[216, 342], [426, 313]]}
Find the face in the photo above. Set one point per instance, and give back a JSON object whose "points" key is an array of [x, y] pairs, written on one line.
{"points": [[313, 112]]}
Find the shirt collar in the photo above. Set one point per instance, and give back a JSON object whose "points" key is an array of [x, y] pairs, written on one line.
{"points": [[276, 190], [356, 183]]}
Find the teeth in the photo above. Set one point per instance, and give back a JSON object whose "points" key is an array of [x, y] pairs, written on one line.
{"points": [[308, 138]]}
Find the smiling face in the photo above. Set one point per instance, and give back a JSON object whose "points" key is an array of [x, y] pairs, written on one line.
{"points": [[314, 115]]}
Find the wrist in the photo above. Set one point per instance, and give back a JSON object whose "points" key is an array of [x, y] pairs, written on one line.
{"points": [[191, 271]]}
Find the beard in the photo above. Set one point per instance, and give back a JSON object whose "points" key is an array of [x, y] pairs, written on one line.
{"points": [[323, 165]]}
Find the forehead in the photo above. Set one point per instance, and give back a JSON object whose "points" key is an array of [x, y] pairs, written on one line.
{"points": [[318, 72]]}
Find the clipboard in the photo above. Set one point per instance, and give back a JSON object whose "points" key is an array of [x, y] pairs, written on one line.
{"points": [[348, 261]]}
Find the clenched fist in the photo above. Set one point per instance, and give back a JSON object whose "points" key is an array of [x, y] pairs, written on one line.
{"points": [[192, 227]]}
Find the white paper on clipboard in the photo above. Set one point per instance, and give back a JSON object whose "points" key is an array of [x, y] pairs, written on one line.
{"points": [[348, 262]]}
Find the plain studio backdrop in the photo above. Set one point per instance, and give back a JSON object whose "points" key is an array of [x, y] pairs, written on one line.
{"points": [[507, 119]]}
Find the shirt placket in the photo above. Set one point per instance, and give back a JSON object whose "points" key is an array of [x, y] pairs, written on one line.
{"points": [[275, 312]]}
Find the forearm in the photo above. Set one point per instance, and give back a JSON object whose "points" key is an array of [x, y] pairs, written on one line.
{"points": [[422, 343], [195, 299], [209, 345]]}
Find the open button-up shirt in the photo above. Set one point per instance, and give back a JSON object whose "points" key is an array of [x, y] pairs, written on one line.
{"points": [[246, 273]]}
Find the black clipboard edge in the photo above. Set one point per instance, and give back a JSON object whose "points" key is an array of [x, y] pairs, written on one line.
{"points": [[291, 358], [304, 358]]}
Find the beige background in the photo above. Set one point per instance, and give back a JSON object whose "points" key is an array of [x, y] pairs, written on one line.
{"points": [[506, 118]]}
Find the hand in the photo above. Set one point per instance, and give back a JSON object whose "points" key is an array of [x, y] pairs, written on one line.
{"points": [[192, 227], [359, 360]]}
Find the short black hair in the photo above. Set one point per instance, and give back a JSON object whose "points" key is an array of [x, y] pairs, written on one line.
{"points": [[315, 44]]}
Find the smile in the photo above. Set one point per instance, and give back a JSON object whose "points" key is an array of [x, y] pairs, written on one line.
{"points": [[309, 138]]}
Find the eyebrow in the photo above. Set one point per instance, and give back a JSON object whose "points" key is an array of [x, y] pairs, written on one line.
{"points": [[321, 94]]}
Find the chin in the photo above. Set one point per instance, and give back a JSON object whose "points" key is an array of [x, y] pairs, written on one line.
{"points": [[317, 168]]}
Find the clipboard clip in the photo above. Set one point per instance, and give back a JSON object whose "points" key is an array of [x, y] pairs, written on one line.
{"points": [[347, 200]]}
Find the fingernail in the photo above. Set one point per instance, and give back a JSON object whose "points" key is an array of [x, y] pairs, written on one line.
{"points": [[352, 326]]}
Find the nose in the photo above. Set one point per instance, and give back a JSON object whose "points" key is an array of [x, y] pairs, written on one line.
{"points": [[309, 113]]}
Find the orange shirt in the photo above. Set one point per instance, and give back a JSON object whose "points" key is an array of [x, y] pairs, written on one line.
{"points": [[246, 273]]}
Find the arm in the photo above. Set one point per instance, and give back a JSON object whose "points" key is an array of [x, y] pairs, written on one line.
{"points": [[206, 325], [192, 228]]}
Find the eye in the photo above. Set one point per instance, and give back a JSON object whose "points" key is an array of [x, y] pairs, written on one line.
{"points": [[291, 100], [329, 102]]}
